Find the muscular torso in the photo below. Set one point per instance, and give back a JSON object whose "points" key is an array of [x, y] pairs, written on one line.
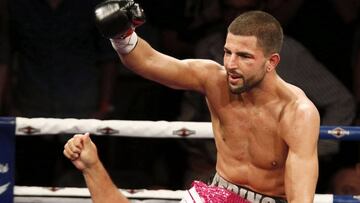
{"points": [[251, 150], [256, 132]]}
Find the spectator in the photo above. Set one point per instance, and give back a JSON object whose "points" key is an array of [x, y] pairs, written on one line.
{"points": [[356, 70], [346, 181], [327, 32]]}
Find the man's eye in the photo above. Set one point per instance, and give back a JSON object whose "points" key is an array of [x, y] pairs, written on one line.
{"points": [[245, 56]]}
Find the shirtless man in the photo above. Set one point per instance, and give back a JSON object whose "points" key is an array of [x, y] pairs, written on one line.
{"points": [[266, 130]]}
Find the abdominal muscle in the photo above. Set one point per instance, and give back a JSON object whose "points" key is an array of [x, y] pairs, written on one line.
{"points": [[252, 163]]}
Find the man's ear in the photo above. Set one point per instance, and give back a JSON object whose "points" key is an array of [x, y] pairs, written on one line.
{"points": [[272, 62]]}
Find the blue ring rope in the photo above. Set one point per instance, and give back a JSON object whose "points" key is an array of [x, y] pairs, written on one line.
{"points": [[340, 132]]}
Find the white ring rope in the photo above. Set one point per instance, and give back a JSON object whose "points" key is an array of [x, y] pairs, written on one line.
{"points": [[84, 192], [131, 194], [150, 129]]}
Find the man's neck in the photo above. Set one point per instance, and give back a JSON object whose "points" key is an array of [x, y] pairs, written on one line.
{"points": [[263, 93]]}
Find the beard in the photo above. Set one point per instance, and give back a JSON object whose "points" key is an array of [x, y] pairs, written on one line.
{"points": [[246, 85]]}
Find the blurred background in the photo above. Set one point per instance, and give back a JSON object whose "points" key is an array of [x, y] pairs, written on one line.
{"points": [[55, 64]]}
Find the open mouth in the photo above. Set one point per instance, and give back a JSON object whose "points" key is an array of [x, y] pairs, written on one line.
{"points": [[234, 79]]}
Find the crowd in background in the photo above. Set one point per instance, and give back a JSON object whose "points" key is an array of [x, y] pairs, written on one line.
{"points": [[54, 63]]}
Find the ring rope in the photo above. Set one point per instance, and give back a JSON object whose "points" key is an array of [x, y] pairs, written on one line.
{"points": [[25, 191], [158, 129], [149, 129]]}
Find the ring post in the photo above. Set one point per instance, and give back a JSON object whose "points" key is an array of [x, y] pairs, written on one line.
{"points": [[7, 155]]}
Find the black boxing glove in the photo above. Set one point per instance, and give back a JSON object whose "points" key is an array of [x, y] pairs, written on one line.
{"points": [[117, 20]]}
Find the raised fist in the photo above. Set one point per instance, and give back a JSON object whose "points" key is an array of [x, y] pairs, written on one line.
{"points": [[117, 19]]}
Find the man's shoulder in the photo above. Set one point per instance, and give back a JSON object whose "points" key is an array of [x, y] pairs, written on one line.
{"points": [[303, 110], [207, 64], [299, 103], [208, 71]]}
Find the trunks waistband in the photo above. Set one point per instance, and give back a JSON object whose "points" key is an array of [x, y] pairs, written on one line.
{"points": [[244, 192]]}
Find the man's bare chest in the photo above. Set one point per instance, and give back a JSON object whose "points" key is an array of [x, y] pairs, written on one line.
{"points": [[259, 126], [250, 133]]}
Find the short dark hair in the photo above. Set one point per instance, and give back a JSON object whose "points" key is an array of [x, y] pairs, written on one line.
{"points": [[263, 26]]}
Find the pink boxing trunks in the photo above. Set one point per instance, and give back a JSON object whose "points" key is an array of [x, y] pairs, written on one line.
{"points": [[203, 193], [244, 192]]}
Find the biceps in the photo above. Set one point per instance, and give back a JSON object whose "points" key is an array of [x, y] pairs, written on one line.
{"points": [[297, 164], [302, 152], [301, 174], [187, 74], [169, 71]]}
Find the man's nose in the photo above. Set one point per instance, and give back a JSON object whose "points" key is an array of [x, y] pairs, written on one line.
{"points": [[232, 61]]}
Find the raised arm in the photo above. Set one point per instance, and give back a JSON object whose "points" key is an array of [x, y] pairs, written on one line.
{"points": [[117, 20], [301, 132], [83, 154], [187, 74]]}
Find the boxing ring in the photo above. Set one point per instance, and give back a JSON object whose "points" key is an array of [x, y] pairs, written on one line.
{"points": [[11, 127]]}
